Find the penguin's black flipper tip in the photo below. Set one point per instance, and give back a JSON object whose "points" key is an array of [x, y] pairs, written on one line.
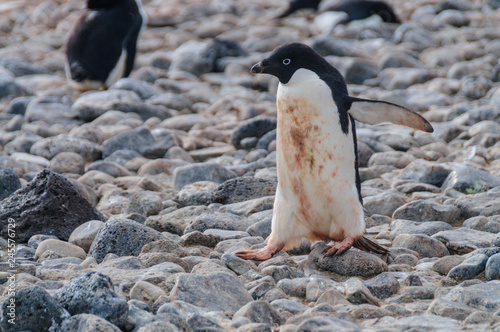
{"points": [[366, 244]]}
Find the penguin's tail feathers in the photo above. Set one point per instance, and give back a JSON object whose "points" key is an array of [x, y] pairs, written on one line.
{"points": [[365, 244], [78, 73]]}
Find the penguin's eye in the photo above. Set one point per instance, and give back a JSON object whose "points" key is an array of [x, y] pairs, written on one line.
{"points": [[286, 61]]}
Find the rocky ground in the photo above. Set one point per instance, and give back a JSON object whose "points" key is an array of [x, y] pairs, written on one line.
{"points": [[129, 204]]}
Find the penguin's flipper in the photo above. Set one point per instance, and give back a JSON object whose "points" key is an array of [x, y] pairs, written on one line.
{"points": [[377, 112], [365, 244]]}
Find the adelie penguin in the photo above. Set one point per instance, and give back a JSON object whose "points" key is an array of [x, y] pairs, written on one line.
{"points": [[101, 48], [353, 9], [318, 195]]}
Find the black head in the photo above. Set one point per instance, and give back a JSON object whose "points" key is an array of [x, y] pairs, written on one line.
{"points": [[384, 11], [300, 4], [285, 60]]}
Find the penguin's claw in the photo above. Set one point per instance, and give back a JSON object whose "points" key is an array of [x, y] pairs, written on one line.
{"points": [[338, 248], [260, 254]]}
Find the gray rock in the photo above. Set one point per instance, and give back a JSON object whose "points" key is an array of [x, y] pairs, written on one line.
{"points": [[424, 245], [402, 78], [469, 180], [93, 293], [172, 101], [484, 204], [182, 122], [475, 87], [260, 287], [21, 143], [449, 309], [33, 309], [317, 286], [427, 210], [88, 322], [67, 162], [216, 220], [123, 238], [484, 296], [356, 292], [175, 222], [202, 290], [282, 272], [425, 171], [142, 88], [496, 241], [429, 228], [255, 127], [469, 268], [325, 323], [140, 140], [52, 146], [165, 245], [121, 157], [197, 193], [260, 312], [92, 105], [84, 235], [290, 306], [250, 207], [11, 89], [456, 18], [464, 240], [294, 287], [350, 263], [446, 263], [384, 203], [109, 167], [360, 70], [238, 265], [48, 195], [425, 323], [18, 105], [484, 224], [201, 323], [244, 188], [201, 172], [382, 286], [266, 139], [20, 67], [393, 158], [492, 270], [145, 203], [398, 60], [9, 182], [50, 112]]}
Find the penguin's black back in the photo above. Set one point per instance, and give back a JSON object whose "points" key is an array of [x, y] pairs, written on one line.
{"points": [[361, 9], [100, 36]]}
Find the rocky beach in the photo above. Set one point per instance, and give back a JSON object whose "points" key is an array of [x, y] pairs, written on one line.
{"points": [[122, 209]]}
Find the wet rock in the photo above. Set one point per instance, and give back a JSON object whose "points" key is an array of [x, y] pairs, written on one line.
{"points": [[93, 293], [255, 127], [350, 263], [427, 210], [464, 240], [469, 268], [88, 322], [51, 200], [34, 310], [425, 171], [201, 290], [52, 146], [244, 188], [424, 245], [123, 238], [9, 182], [492, 270], [201, 172]]}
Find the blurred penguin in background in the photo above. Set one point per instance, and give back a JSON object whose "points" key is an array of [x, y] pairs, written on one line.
{"points": [[352, 9], [101, 48]]}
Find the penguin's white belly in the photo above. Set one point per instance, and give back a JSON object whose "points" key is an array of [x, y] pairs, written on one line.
{"points": [[316, 165]]}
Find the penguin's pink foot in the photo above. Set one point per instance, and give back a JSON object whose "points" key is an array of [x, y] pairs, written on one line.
{"points": [[261, 254], [340, 247]]}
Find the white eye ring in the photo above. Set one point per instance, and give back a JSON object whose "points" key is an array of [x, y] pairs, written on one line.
{"points": [[286, 61]]}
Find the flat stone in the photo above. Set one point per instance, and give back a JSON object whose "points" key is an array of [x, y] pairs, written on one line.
{"points": [[469, 180], [429, 228], [424, 245], [201, 290], [484, 296], [243, 189], [484, 204], [425, 171], [450, 309], [427, 210], [201, 172], [217, 220], [426, 322], [350, 263], [51, 146], [464, 240]]}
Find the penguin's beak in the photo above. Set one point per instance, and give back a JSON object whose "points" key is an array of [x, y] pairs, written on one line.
{"points": [[258, 68]]}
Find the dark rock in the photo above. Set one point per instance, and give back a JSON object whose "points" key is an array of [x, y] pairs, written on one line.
{"points": [[123, 238], [260, 287], [484, 296], [425, 171], [350, 263], [10, 89], [244, 188], [484, 204], [260, 312], [469, 268], [213, 172], [202, 290], [266, 139], [469, 180], [282, 272], [9, 182], [18, 105], [424, 245], [145, 203], [93, 293], [19, 67], [31, 309], [121, 157], [427, 210], [492, 270], [52, 146], [382, 286], [255, 127], [88, 322], [356, 292], [359, 71], [200, 323], [53, 202], [238, 265]]}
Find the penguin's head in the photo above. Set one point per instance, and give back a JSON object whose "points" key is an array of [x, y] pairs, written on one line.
{"points": [[285, 60]]}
